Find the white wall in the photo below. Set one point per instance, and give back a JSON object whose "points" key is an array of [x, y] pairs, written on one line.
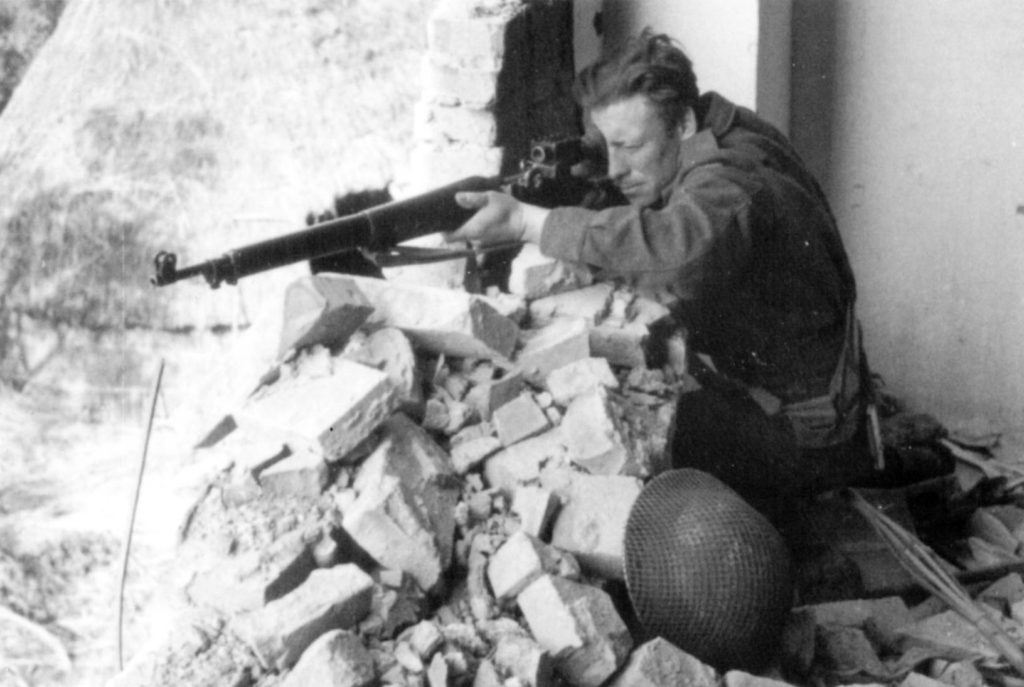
{"points": [[739, 48], [914, 119]]}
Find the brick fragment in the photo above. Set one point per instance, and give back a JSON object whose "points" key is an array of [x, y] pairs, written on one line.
{"points": [[467, 39], [1004, 592], [950, 634], [437, 320], [579, 376], [536, 508], [333, 598], [486, 675], [320, 403], [425, 638], [522, 463], [389, 350], [623, 345], [847, 650], [579, 626], [534, 275], [518, 656], [447, 84], [466, 455], [591, 304], [337, 657], [318, 311], [443, 124], [302, 475], [520, 418], [1012, 517], [595, 436], [988, 526], [486, 397], [437, 672], [738, 678], [249, 580], [404, 513], [659, 663], [521, 560], [552, 346], [592, 522]]}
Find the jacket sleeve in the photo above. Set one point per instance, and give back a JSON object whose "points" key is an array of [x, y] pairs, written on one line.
{"points": [[701, 234]]}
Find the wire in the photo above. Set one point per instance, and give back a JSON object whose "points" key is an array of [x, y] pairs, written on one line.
{"points": [[131, 520]]}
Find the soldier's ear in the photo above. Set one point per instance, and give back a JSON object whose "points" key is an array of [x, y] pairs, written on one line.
{"points": [[688, 125]]}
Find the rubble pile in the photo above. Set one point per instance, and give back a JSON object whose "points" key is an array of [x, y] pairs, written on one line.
{"points": [[431, 488]]}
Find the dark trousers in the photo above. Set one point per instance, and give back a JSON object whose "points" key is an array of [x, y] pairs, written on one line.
{"points": [[722, 431]]}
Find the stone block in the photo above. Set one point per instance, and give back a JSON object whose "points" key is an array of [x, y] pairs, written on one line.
{"points": [[522, 463], [328, 404], [303, 475], [438, 320], [987, 526], [536, 508], [578, 625], [488, 396], [591, 303], [468, 454], [847, 651], [446, 84], [949, 633], [425, 638], [659, 663], [595, 437], [1012, 517], [554, 345], [891, 611], [329, 599], [738, 678], [621, 345], [534, 275], [592, 522], [337, 657], [444, 124], [914, 679], [467, 39], [1004, 592], [319, 311], [521, 560], [404, 514], [579, 376], [520, 418], [249, 580], [389, 351], [522, 659]]}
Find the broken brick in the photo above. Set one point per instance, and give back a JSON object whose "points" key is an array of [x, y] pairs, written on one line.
{"points": [[438, 320], [590, 303], [388, 350], [404, 513], [536, 508], [592, 522], [519, 419], [331, 598], [521, 560], [579, 626], [303, 475], [659, 663], [486, 397], [579, 376], [518, 656], [595, 437], [522, 463], [326, 404], [321, 311], [552, 346], [534, 275], [337, 657]]}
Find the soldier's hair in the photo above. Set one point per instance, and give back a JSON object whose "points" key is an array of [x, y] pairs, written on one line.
{"points": [[650, 64]]}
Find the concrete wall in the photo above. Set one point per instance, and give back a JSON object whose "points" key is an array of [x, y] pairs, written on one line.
{"points": [[910, 112]]}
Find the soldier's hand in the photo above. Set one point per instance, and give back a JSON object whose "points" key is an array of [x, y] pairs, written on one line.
{"points": [[499, 218]]}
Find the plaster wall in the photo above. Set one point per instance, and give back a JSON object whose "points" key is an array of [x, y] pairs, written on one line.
{"points": [[739, 48], [910, 113]]}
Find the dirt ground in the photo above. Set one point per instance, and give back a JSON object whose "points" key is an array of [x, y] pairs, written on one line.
{"points": [[66, 489]]}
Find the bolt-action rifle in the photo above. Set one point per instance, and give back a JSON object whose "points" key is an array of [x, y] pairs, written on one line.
{"points": [[554, 174]]}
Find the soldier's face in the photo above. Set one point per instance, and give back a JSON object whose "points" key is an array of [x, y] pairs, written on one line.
{"points": [[643, 153]]}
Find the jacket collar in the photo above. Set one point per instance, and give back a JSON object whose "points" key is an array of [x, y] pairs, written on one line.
{"points": [[716, 116]]}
